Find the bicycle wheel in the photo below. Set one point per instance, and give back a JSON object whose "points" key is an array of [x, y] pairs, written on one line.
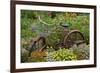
{"points": [[37, 45], [73, 38]]}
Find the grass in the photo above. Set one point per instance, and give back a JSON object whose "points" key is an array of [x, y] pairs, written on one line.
{"points": [[31, 27]]}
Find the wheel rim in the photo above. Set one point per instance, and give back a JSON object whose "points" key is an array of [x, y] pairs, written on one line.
{"points": [[73, 37], [37, 45], [40, 44]]}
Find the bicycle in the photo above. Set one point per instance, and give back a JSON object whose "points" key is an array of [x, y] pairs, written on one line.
{"points": [[72, 38]]}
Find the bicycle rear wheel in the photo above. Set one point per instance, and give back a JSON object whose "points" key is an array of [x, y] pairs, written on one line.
{"points": [[73, 38]]}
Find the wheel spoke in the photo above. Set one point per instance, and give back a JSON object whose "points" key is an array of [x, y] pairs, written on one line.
{"points": [[73, 37], [39, 45]]}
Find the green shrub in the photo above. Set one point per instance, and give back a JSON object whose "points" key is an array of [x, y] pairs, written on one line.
{"points": [[24, 55], [77, 21], [61, 55], [80, 23], [37, 56], [57, 35], [82, 52], [36, 60], [50, 49]]}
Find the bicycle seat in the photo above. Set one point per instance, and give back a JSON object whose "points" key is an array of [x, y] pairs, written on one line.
{"points": [[64, 25]]}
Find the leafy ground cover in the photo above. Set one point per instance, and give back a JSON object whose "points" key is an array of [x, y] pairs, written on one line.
{"points": [[32, 27]]}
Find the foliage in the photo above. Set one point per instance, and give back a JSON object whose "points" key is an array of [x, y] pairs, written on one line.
{"points": [[36, 59], [82, 52], [50, 49], [57, 35], [61, 55], [31, 28], [79, 22], [24, 55], [37, 56]]}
